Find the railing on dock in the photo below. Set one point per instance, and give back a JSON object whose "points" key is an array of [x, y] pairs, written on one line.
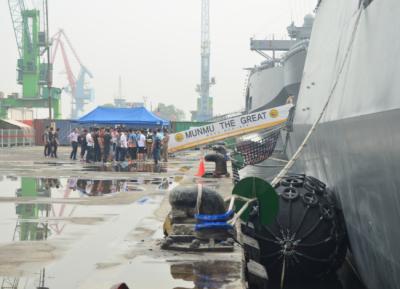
{"points": [[16, 137]]}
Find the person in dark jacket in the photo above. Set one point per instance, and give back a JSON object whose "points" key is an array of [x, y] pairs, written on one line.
{"points": [[83, 144], [51, 141], [156, 148], [46, 142], [55, 143], [118, 145], [107, 145], [97, 151]]}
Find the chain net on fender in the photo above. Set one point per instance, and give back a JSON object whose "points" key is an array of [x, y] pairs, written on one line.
{"points": [[259, 148], [253, 150]]}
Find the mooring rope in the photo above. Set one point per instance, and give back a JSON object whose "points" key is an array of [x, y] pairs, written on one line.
{"points": [[199, 197], [296, 155]]}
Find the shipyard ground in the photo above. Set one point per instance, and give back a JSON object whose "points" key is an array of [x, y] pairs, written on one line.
{"points": [[65, 224], [104, 226]]}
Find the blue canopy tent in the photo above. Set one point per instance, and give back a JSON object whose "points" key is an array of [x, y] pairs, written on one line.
{"points": [[138, 117]]}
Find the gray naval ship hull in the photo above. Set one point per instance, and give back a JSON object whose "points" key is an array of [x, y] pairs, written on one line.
{"points": [[356, 147]]}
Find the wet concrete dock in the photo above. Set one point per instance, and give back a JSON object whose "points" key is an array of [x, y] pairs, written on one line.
{"points": [[65, 224]]}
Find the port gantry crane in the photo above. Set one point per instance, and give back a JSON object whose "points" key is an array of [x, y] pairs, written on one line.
{"points": [[34, 74], [80, 94]]}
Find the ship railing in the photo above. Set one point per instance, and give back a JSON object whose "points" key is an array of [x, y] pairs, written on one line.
{"points": [[298, 47]]}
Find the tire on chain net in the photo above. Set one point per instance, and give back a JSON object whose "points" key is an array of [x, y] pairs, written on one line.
{"points": [[308, 233]]}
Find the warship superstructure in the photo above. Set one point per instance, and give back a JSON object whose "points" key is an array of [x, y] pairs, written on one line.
{"points": [[278, 78], [276, 81]]}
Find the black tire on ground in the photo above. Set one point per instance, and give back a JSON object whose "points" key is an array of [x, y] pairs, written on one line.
{"points": [[185, 198]]}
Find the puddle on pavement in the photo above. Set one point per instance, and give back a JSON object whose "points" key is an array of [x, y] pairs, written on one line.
{"points": [[26, 228], [51, 164], [30, 187], [138, 274], [36, 263], [128, 167], [211, 274], [148, 273], [39, 222], [20, 221]]}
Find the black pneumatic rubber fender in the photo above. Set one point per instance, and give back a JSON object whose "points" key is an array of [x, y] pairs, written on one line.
{"points": [[308, 236]]}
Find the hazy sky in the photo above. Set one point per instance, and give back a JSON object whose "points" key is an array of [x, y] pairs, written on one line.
{"points": [[155, 46]]}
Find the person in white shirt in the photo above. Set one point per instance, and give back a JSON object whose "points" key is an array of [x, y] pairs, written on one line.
{"points": [[124, 146], [73, 137], [141, 145], [90, 147]]}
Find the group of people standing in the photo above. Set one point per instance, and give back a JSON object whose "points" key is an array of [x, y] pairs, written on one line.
{"points": [[119, 144], [51, 139]]}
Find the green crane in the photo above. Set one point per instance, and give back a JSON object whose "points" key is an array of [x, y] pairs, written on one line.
{"points": [[33, 74]]}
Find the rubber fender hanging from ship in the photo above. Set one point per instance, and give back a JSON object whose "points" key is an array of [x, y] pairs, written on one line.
{"points": [[307, 239]]}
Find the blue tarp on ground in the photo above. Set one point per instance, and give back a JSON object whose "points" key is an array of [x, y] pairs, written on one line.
{"points": [[138, 117]]}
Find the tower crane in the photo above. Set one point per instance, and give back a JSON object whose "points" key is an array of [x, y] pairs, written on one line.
{"points": [[81, 95], [205, 102]]}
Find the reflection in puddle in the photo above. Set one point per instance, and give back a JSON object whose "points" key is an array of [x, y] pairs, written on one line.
{"points": [[39, 222], [128, 167], [206, 275], [27, 229], [181, 273], [28, 187], [28, 226], [92, 187], [32, 218], [47, 163]]}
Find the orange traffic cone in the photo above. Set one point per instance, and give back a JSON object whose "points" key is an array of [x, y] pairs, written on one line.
{"points": [[202, 170]]}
